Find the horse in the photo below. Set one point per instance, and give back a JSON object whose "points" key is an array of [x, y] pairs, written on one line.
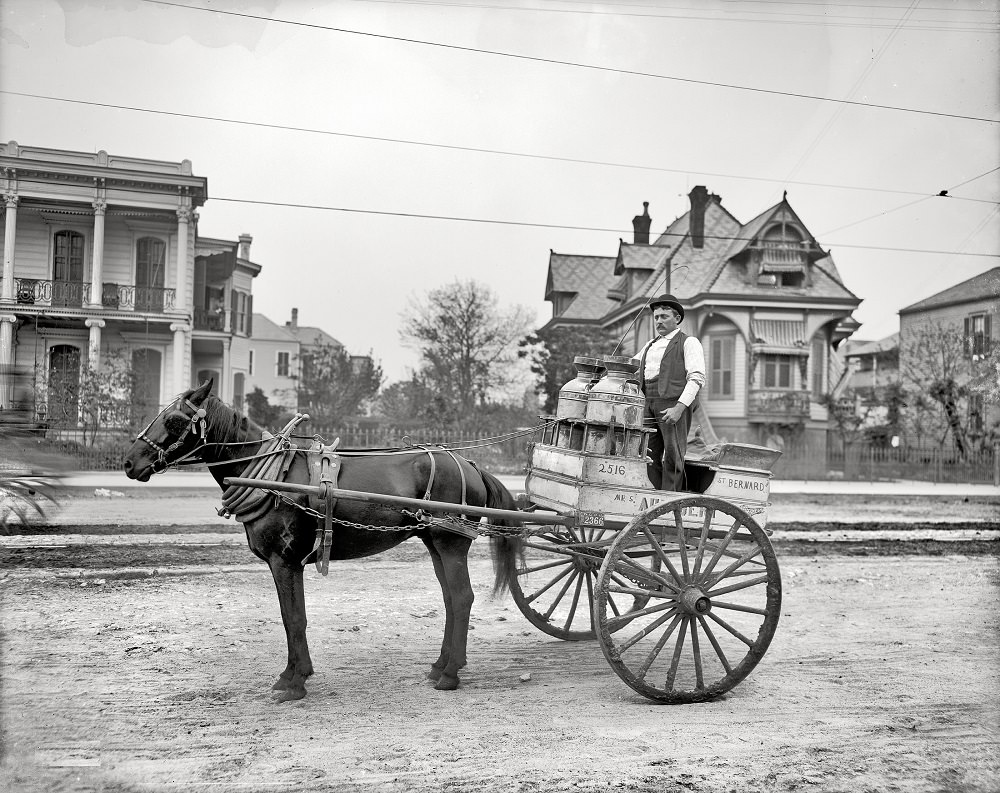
{"points": [[200, 427]]}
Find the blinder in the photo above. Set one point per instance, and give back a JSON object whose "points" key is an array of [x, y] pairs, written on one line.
{"points": [[179, 424]]}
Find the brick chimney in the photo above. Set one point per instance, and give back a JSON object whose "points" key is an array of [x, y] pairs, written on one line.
{"points": [[245, 240], [640, 226], [696, 226], [294, 322]]}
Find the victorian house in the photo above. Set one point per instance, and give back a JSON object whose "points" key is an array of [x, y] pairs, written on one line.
{"points": [[101, 257], [763, 296]]}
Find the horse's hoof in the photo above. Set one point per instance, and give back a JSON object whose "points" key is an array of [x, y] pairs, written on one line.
{"points": [[280, 684], [447, 683], [435, 673], [290, 694]]}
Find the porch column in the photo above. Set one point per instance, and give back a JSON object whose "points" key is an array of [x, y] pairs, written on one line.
{"points": [[183, 223], [97, 273], [94, 348], [225, 388], [180, 330], [6, 359], [10, 230]]}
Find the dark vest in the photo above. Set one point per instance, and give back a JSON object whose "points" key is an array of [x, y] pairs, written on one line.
{"points": [[673, 374]]}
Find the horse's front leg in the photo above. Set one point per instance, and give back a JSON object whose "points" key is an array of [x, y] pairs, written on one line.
{"points": [[291, 599], [450, 555]]}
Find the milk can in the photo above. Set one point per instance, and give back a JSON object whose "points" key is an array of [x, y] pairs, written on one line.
{"points": [[572, 402], [616, 396]]}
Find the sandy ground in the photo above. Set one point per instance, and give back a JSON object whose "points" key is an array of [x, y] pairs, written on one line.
{"points": [[882, 675]]}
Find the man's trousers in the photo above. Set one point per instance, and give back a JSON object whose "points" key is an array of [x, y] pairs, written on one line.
{"points": [[667, 447]]}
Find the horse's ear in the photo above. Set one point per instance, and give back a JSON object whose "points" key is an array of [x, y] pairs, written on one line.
{"points": [[201, 392]]}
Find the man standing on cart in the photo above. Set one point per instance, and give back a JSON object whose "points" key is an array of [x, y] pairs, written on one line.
{"points": [[671, 373]]}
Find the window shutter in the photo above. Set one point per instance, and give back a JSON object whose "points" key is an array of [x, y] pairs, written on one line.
{"points": [[987, 334], [250, 316], [967, 337]]}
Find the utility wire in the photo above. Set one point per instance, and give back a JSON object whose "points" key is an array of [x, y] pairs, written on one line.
{"points": [[473, 149], [573, 64]]}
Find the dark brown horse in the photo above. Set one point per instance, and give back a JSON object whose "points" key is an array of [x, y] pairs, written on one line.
{"points": [[200, 427]]}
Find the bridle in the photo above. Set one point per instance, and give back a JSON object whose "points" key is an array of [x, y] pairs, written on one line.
{"points": [[196, 425]]}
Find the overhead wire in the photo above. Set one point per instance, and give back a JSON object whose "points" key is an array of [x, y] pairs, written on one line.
{"points": [[472, 149], [572, 64]]}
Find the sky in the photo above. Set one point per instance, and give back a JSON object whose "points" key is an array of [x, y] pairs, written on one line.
{"points": [[379, 149]]}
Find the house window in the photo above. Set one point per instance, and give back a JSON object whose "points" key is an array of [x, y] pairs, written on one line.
{"points": [[67, 269], [250, 365], [818, 366], [977, 334], [777, 371], [720, 376], [150, 263], [283, 360]]}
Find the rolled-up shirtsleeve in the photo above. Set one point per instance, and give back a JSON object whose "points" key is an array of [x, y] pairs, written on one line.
{"points": [[694, 362]]}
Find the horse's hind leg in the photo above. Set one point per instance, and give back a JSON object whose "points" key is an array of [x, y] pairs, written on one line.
{"points": [[450, 555], [292, 601]]}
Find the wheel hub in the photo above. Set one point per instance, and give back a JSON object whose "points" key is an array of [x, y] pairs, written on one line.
{"points": [[693, 601]]}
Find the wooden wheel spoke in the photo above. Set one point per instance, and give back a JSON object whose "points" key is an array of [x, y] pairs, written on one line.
{"points": [[576, 601], [702, 541], [662, 554], [682, 544], [640, 672], [676, 660], [559, 597], [648, 629], [643, 593], [742, 560], [540, 567], [645, 573], [699, 675], [624, 619], [707, 629], [556, 579], [731, 629], [718, 604], [734, 587], [723, 545]]}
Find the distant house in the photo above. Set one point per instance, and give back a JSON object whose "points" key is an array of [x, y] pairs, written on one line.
{"points": [[765, 299], [969, 308], [273, 362], [871, 368]]}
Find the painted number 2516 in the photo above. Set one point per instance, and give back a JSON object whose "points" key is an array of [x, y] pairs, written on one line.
{"points": [[609, 468]]}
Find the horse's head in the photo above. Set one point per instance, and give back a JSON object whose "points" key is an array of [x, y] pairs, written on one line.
{"points": [[176, 431]]}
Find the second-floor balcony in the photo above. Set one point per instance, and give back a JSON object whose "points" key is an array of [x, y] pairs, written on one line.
{"points": [[778, 405], [77, 294], [209, 320]]}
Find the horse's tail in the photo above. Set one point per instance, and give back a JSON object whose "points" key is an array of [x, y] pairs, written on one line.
{"points": [[507, 550]]}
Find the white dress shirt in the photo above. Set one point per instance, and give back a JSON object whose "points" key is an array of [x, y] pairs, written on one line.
{"points": [[694, 363]]}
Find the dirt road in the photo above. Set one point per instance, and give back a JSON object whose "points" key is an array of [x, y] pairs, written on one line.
{"points": [[882, 677]]}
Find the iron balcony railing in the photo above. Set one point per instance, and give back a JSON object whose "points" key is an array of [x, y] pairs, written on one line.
{"points": [[76, 294], [209, 320]]}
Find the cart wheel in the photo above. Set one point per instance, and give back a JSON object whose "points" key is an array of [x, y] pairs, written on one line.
{"points": [[712, 608], [555, 587]]}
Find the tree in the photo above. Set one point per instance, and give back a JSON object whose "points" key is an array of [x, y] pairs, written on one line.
{"points": [[260, 410], [334, 385], [467, 345], [551, 352], [936, 369]]}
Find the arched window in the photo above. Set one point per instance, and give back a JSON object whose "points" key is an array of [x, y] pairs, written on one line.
{"points": [[67, 269], [63, 393], [146, 365], [782, 257], [150, 264]]}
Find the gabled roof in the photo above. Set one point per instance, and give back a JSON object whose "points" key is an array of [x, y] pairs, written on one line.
{"points": [[265, 330], [979, 287], [588, 278], [309, 336], [639, 257], [872, 347]]}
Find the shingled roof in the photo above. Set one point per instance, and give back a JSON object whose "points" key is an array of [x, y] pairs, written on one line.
{"points": [[984, 285], [588, 278]]}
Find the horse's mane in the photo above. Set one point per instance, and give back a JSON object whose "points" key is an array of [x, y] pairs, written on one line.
{"points": [[229, 422]]}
